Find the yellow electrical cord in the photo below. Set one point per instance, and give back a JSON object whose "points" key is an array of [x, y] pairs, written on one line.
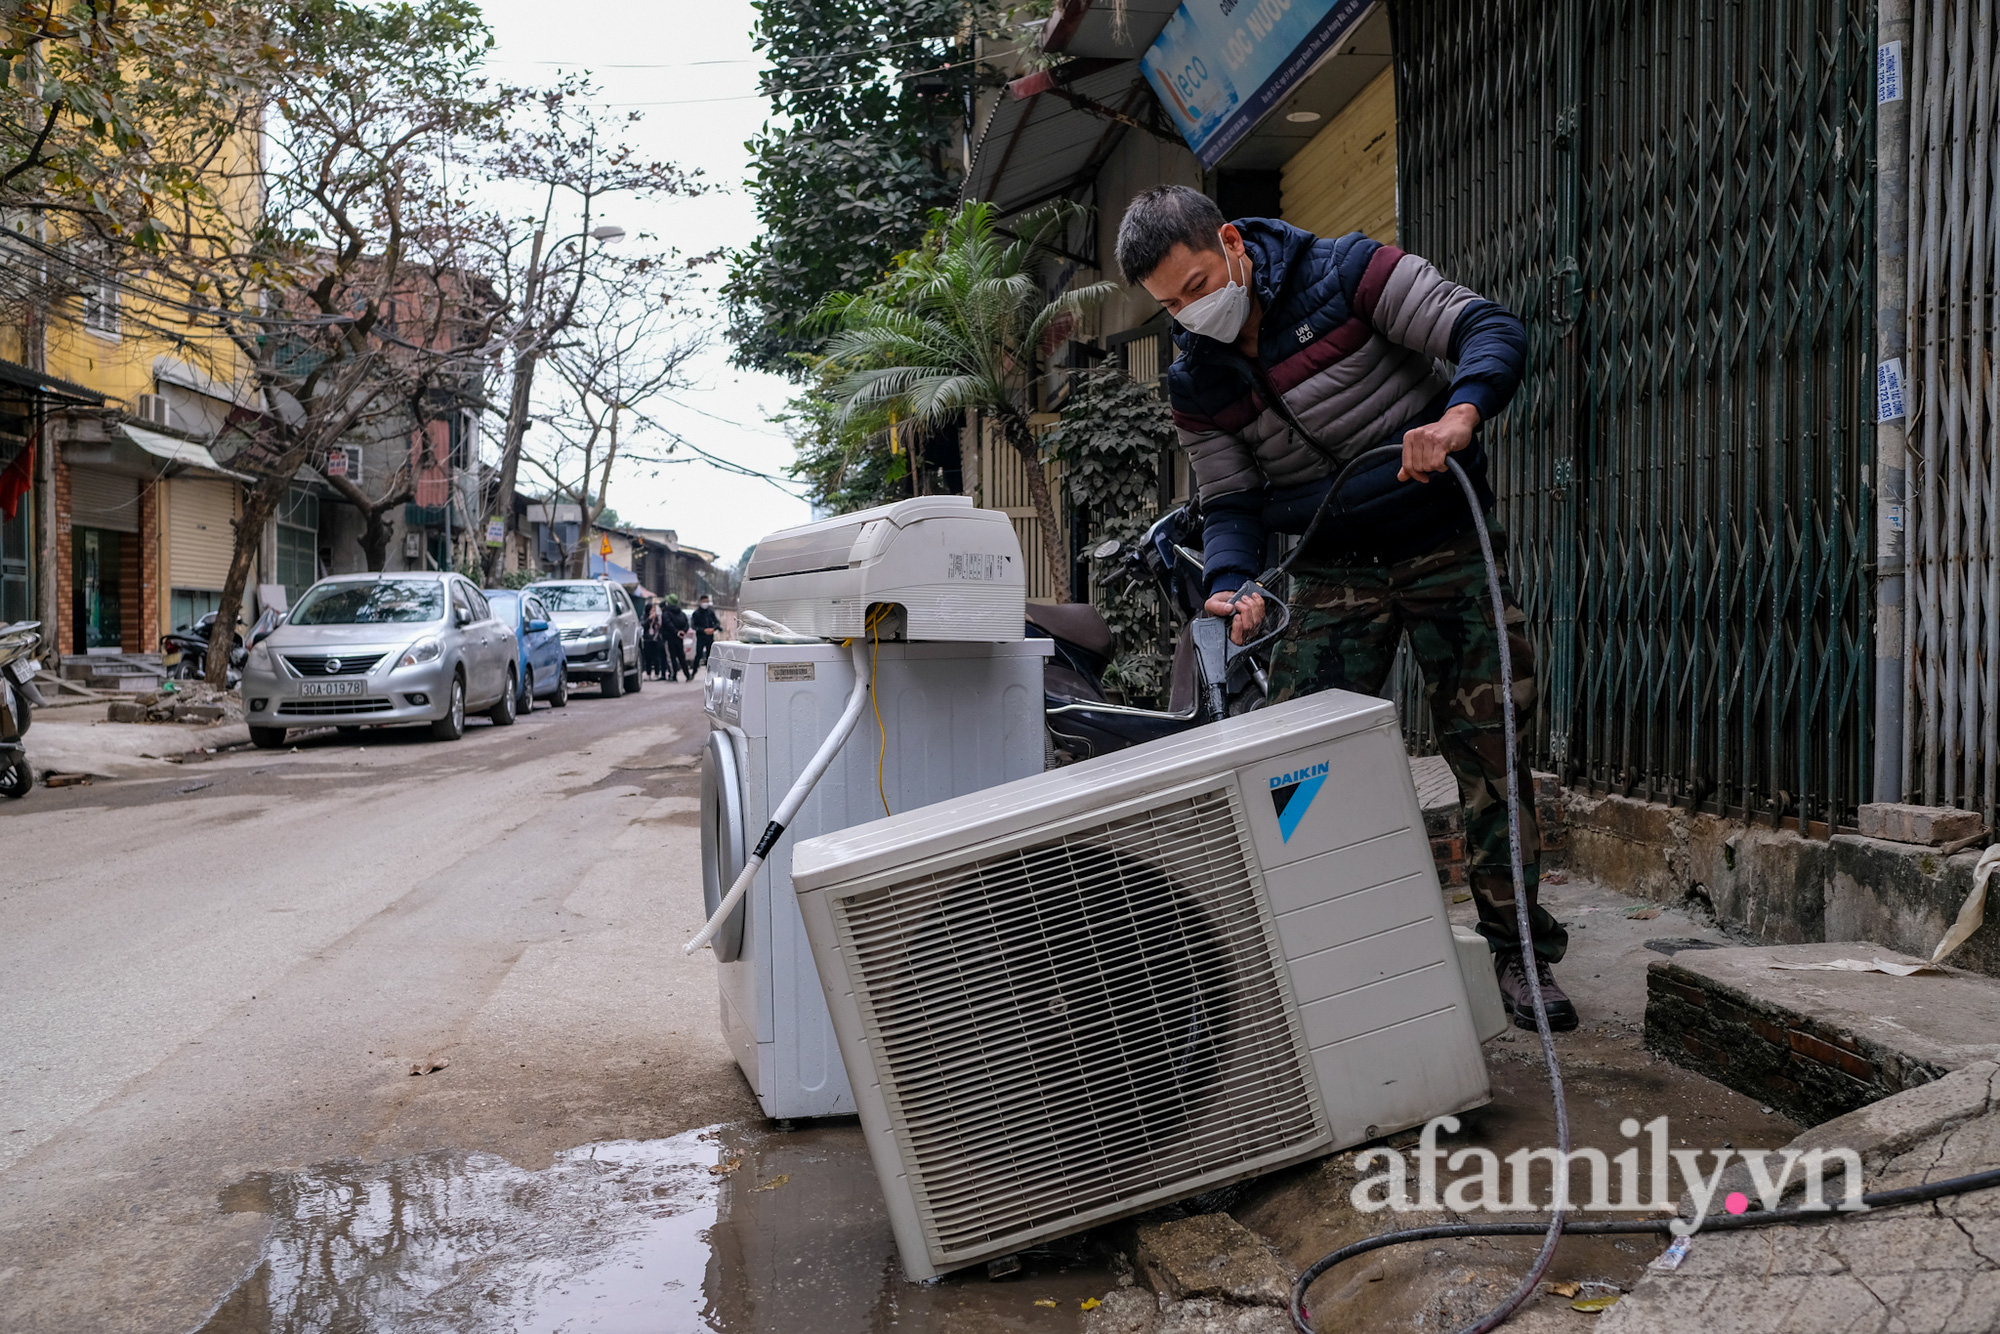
{"points": [[875, 619]]}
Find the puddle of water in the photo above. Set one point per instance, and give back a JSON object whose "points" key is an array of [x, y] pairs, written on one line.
{"points": [[623, 1237]]}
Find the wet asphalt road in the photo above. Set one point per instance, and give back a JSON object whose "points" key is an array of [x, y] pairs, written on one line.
{"points": [[228, 974]]}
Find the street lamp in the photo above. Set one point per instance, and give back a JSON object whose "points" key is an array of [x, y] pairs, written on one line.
{"points": [[607, 233]]}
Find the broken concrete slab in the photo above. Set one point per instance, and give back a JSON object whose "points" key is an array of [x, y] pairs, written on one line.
{"points": [[1778, 886], [1916, 1270], [1211, 1255], [1901, 823], [1817, 1044]]}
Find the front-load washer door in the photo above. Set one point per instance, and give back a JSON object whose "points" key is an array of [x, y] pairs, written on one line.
{"points": [[722, 841]]}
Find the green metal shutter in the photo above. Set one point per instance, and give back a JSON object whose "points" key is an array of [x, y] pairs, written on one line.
{"points": [[1678, 199]]}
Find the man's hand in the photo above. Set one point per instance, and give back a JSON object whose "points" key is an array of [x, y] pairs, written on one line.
{"points": [[1426, 447], [1247, 610]]}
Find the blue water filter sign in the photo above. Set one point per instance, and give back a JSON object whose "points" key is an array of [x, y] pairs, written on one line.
{"points": [[1221, 66]]}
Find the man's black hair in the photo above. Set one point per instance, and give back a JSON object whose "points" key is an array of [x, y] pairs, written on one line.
{"points": [[1161, 218]]}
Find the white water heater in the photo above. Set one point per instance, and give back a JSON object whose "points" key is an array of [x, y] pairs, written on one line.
{"points": [[950, 571]]}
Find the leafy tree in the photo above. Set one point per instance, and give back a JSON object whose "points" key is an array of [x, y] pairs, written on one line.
{"points": [[117, 112], [1111, 439], [858, 158], [844, 456], [960, 325]]}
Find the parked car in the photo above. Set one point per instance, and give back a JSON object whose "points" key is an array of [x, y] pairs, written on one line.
{"points": [[364, 650], [600, 630], [542, 669]]}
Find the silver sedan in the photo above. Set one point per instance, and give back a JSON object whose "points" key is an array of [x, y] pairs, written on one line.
{"points": [[364, 650], [600, 631]]}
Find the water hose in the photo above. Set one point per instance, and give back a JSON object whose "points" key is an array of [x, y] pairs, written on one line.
{"points": [[788, 809], [1553, 1231]]}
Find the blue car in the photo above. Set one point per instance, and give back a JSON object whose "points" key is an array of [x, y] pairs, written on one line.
{"points": [[543, 670]]}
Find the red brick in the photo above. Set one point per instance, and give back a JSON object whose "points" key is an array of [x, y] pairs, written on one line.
{"points": [[1775, 1034], [1827, 1054], [1692, 995]]}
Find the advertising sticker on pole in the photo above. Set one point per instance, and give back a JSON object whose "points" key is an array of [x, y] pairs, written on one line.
{"points": [[1221, 66]]}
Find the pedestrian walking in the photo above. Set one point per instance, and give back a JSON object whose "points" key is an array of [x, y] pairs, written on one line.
{"points": [[652, 651], [674, 624], [1297, 347], [706, 623]]}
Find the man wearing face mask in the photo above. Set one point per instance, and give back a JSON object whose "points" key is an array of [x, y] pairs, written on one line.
{"points": [[1284, 334]]}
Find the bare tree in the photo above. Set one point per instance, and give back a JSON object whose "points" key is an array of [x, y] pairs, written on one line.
{"points": [[573, 155], [629, 346]]}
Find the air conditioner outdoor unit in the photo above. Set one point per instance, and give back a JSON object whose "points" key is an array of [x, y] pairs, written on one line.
{"points": [[1078, 995], [954, 569], [154, 410]]}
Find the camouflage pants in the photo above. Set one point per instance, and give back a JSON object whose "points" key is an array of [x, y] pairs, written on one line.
{"points": [[1347, 619]]}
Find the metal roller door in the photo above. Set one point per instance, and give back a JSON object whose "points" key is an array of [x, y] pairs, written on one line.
{"points": [[200, 531], [106, 500], [1678, 198]]}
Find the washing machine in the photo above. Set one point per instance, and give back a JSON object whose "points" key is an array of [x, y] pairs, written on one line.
{"points": [[946, 720]]}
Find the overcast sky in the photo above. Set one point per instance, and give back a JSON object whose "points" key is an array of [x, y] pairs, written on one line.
{"points": [[696, 83]]}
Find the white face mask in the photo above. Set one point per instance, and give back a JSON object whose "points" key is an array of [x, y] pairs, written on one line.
{"points": [[1220, 314]]}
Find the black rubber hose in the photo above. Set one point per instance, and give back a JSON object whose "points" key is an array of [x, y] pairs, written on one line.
{"points": [[1881, 1199], [1330, 507], [1553, 1231]]}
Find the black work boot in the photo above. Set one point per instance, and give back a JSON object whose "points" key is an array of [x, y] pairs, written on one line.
{"points": [[1521, 1003]]}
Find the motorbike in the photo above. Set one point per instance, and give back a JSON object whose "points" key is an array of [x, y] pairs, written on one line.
{"points": [[184, 653], [18, 700], [1210, 679]]}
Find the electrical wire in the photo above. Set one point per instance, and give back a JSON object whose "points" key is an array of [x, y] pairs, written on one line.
{"points": [[875, 619], [748, 60], [775, 94]]}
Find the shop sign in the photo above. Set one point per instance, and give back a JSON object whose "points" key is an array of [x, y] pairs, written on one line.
{"points": [[1221, 66]]}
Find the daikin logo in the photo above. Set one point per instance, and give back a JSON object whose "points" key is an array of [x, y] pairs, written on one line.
{"points": [[1293, 795]]}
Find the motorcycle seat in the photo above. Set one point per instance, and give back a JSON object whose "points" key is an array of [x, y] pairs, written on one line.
{"points": [[1076, 622]]}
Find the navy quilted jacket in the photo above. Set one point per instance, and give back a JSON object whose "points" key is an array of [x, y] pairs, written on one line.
{"points": [[1355, 335]]}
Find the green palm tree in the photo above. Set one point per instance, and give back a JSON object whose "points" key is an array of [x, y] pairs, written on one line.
{"points": [[958, 326]]}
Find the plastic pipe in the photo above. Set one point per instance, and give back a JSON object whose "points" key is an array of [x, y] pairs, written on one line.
{"points": [[788, 809]]}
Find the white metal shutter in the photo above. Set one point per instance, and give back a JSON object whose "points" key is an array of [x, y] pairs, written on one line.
{"points": [[103, 500], [200, 533]]}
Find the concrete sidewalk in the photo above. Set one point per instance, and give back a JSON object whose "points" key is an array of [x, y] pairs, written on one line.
{"points": [[1920, 1269], [78, 740]]}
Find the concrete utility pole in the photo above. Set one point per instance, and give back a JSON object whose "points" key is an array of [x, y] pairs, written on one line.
{"points": [[1892, 250]]}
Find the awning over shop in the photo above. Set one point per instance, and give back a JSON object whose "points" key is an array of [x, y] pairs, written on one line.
{"points": [[47, 386], [184, 452], [600, 567], [1050, 133]]}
